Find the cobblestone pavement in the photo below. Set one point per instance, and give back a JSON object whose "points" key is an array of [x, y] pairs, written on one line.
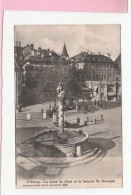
{"points": [[110, 167]]}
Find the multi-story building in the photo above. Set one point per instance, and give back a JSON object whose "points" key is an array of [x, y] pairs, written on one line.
{"points": [[18, 59], [101, 74], [97, 67]]}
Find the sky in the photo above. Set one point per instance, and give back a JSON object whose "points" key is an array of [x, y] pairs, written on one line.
{"points": [[93, 38]]}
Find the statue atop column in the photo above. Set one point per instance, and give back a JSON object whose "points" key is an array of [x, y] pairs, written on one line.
{"points": [[61, 91]]}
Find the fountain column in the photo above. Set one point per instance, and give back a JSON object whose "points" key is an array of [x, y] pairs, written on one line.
{"points": [[61, 94], [61, 117]]}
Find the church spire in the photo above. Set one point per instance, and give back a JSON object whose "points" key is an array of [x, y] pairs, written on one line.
{"points": [[64, 51]]}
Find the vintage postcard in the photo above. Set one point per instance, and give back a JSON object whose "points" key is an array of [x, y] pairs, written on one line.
{"points": [[68, 102]]}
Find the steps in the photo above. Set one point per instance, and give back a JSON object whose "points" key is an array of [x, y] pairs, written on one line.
{"points": [[89, 157], [29, 167]]}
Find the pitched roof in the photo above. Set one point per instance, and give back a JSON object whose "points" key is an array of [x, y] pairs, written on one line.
{"points": [[64, 51], [85, 57], [54, 54], [118, 60]]}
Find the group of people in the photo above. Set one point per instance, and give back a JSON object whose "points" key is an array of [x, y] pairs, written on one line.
{"points": [[98, 103], [51, 109]]}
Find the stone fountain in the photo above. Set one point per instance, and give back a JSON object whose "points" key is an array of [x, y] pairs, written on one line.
{"points": [[61, 141], [55, 148]]}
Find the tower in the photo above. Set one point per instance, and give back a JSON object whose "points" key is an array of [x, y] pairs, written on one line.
{"points": [[64, 54]]}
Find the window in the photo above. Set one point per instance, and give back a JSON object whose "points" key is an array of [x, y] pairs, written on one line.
{"points": [[88, 58]]}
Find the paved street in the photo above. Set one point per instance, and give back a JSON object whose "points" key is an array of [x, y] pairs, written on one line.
{"points": [[108, 133]]}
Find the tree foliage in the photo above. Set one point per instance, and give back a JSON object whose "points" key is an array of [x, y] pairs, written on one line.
{"points": [[74, 83], [48, 80]]}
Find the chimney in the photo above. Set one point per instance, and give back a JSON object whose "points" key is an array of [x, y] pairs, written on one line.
{"points": [[19, 44]]}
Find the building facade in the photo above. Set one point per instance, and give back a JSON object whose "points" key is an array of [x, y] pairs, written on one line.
{"points": [[97, 67], [18, 59], [105, 90], [38, 69]]}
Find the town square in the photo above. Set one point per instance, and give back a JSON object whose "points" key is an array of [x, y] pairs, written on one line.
{"points": [[68, 105]]}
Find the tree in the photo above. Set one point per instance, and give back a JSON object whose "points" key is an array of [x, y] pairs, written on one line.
{"points": [[73, 84], [49, 80]]}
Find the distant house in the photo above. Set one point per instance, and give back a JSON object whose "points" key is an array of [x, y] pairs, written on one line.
{"points": [[42, 57]]}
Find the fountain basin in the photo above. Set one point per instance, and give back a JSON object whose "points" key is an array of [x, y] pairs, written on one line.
{"points": [[70, 143]]}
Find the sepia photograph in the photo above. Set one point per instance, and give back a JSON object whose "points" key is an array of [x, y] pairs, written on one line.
{"points": [[68, 106]]}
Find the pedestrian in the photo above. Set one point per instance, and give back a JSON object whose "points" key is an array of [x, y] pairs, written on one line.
{"points": [[54, 110], [101, 103], [98, 102], [49, 106], [55, 103], [42, 111], [95, 102]]}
